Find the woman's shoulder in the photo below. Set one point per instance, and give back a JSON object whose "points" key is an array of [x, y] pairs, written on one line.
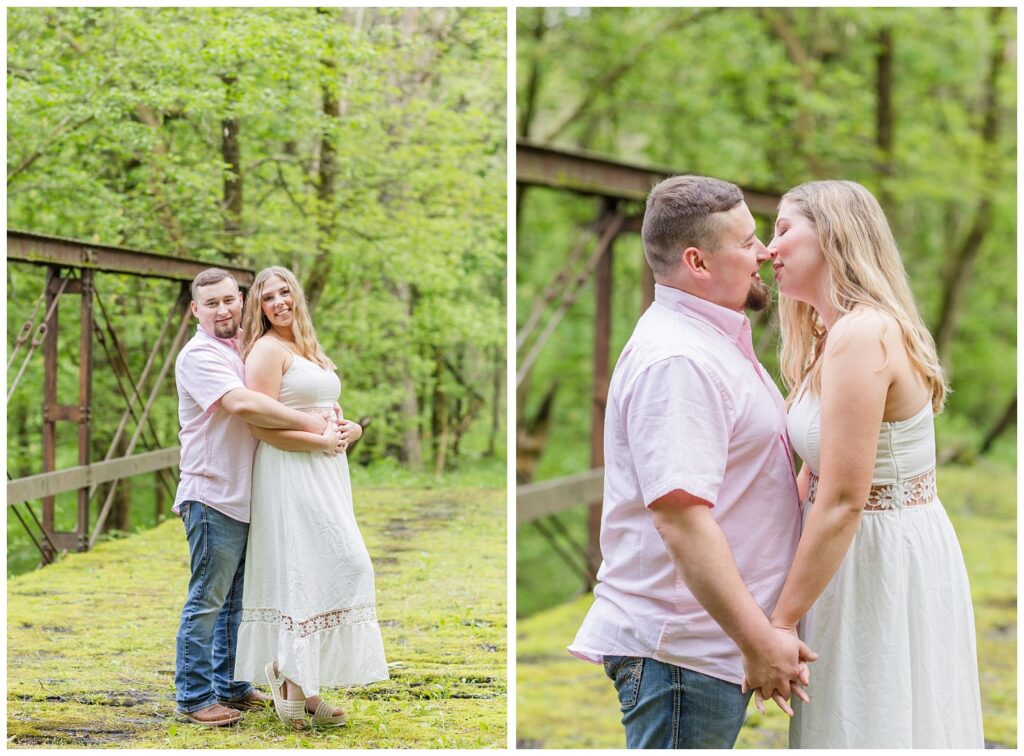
{"points": [[862, 322], [267, 348], [862, 333]]}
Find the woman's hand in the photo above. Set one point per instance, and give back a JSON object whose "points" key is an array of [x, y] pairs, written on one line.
{"points": [[350, 431], [331, 440]]}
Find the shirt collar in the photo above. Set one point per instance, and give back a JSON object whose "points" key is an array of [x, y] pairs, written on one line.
{"points": [[729, 322], [233, 344]]}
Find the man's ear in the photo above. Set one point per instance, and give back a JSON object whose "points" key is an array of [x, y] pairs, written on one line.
{"points": [[195, 308], [694, 262]]}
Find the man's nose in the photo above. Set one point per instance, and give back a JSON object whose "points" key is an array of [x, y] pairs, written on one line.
{"points": [[763, 255]]}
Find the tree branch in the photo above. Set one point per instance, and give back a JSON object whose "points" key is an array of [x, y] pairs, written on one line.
{"points": [[610, 77]]}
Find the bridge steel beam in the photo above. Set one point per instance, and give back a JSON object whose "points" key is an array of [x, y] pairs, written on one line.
{"points": [[597, 176], [72, 253]]}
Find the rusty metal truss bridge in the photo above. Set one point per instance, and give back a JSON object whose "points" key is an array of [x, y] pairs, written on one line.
{"points": [[74, 269]]}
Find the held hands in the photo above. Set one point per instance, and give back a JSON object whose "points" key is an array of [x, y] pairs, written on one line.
{"points": [[779, 670]]}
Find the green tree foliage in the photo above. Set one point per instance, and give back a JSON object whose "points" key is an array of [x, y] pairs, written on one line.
{"points": [[363, 148], [918, 104]]}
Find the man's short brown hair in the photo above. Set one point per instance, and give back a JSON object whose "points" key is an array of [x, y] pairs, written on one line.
{"points": [[682, 211], [207, 277]]}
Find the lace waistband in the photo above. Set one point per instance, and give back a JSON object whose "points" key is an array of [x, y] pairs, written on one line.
{"points": [[906, 493], [322, 411]]}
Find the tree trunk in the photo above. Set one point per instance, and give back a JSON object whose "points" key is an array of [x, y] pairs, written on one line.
{"points": [[162, 208], [412, 450], [120, 516], [1005, 420], [525, 122], [439, 418], [529, 108], [231, 154], [781, 23], [532, 436], [20, 419], [498, 382], [327, 212], [958, 274], [883, 112]]}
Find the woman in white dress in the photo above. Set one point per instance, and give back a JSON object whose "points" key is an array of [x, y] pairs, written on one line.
{"points": [[878, 579], [308, 617]]}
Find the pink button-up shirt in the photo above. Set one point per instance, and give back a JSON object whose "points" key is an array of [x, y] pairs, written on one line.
{"points": [[216, 446], [689, 408]]}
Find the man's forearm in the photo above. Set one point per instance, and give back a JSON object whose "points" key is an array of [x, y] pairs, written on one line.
{"points": [[290, 440], [262, 411]]}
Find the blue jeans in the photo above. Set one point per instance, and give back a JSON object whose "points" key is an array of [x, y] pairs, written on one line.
{"points": [[208, 634], [665, 706]]}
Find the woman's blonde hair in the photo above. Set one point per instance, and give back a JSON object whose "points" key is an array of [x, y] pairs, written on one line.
{"points": [[864, 268], [255, 323]]}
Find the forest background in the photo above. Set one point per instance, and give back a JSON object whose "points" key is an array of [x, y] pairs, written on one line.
{"points": [[363, 148], [919, 105]]}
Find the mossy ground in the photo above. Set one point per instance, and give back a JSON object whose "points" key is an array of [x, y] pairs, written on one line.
{"points": [[90, 642], [562, 702]]}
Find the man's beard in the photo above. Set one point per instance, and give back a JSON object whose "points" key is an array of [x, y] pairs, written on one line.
{"points": [[757, 297], [226, 330]]}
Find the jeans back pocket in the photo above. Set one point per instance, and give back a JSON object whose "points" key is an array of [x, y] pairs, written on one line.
{"points": [[626, 672]]}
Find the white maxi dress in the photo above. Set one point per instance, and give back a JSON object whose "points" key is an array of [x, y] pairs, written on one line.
{"points": [[308, 599], [894, 629]]}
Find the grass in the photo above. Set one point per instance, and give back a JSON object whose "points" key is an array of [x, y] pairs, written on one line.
{"points": [[562, 702], [90, 643]]}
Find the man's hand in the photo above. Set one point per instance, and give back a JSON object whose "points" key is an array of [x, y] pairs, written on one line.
{"points": [[777, 669]]}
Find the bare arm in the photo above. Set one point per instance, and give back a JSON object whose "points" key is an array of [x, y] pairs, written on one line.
{"points": [[260, 410], [704, 560], [291, 440], [803, 482], [854, 384]]}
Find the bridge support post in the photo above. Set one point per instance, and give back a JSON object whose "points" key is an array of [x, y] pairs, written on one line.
{"points": [[602, 370], [54, 412]]}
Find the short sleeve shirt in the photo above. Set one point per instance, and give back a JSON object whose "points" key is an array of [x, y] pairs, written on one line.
{"points": [[216, 447], [689, 408]]}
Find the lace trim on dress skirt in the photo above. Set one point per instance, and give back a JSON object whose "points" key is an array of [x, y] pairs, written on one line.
{"points": [[355, 615]]}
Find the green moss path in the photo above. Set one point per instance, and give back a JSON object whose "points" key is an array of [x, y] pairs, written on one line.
{"points": [[90, 640]]}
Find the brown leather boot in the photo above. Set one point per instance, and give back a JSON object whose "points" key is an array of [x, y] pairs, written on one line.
{"points": [[255, 700], [213, 715]]}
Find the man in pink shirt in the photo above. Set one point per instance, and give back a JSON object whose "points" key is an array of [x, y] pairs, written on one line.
{"points": [[701, 515], [215, 410]]}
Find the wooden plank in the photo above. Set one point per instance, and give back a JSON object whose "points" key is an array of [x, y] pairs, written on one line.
{"points": [[536, 500], [59, 481]]}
